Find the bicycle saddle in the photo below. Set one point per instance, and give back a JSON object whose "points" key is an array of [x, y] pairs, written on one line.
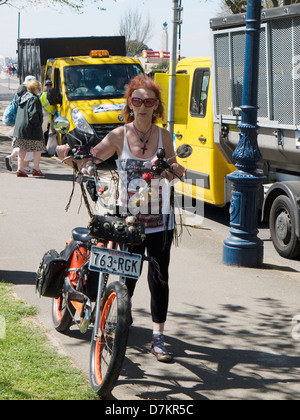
{"points": [[81, 234]]}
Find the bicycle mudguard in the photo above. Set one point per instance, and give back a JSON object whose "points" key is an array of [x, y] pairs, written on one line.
{"points": [[116, 229]]}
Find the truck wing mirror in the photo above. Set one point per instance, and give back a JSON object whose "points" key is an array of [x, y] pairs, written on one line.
{"points": [[59, 98]]}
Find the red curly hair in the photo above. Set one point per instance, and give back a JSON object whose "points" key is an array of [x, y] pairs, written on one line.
{"points": [[143, 82]]}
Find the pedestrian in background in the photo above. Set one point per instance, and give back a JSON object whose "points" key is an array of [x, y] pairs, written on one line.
{"points": [[48, 109], [28, 131], [22, 89]]}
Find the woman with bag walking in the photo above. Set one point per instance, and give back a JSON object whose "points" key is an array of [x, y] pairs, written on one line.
{"points": [[28, 131]]}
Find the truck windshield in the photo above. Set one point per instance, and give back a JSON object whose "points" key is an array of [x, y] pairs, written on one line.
{"points": [[98, 81]]}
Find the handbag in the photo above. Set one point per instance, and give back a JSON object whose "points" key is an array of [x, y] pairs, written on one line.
{"points": [[10, 113], [50, 274]]}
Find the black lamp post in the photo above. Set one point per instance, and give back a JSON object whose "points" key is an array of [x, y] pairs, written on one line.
{"points": [[243, 247]]}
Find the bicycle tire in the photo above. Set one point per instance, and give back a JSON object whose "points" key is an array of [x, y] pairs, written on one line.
{"points": [[61, 316], [108, 351]]}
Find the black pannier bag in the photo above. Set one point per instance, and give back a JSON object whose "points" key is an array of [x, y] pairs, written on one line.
{"points": [[50, 274]]}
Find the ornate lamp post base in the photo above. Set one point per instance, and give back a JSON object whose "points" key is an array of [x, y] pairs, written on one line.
{"points": [[243, 248]]}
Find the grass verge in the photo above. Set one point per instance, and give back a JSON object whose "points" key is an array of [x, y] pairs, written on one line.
{"points": [[30, 367]]}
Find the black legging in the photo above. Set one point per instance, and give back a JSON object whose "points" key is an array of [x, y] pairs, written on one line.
{"points": [[160, 249]]}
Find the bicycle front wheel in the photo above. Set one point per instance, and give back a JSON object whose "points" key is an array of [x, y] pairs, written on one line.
{"points": [[108, 347]]}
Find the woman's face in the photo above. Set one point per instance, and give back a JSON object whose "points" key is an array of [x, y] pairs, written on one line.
{"points": [[143, 111]]}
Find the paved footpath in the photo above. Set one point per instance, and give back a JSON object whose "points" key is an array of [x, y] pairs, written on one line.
{"points": [[230, 329]]}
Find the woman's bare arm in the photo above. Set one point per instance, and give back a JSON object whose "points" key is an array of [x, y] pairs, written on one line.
{"points": [[170, 154]]}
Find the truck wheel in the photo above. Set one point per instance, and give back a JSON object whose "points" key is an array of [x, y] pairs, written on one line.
{"points": [[283, 228]]}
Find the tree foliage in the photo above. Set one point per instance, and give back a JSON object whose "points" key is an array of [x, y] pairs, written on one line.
{"points": [[137, 31], [240, 6], [77, 5]]}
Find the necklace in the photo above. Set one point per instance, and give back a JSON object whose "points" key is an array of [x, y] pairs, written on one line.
{"points": [[143, 138]]}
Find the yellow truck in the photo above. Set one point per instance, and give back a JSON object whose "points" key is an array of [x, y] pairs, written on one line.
{"points": [[206, 168], [92, 90], [208, 98], [89, 75]]}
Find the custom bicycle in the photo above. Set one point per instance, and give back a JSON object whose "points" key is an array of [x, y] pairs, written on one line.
{"points": [[94, 254]]}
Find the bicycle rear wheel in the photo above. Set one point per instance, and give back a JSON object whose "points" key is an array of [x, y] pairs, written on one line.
{"points": [[62, 313], [109, 347]]}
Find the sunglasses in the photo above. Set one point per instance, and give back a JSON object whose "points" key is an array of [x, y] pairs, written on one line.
{"points": [[149, 102]]}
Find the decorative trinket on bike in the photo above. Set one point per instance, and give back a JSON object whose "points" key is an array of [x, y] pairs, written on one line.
{"points": [[131, 220], [114, 228]]}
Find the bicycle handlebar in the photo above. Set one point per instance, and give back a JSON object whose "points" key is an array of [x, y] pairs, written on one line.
{"points": [[162, 164], [83, 152]]}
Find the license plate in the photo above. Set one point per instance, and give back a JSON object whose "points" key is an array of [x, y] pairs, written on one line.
{"points": [[112, 261]]}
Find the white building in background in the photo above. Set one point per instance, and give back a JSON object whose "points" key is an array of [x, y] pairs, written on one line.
{"points": [[165, 38], [151, 58]]}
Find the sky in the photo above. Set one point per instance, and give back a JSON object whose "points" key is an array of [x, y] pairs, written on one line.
{"points": [[47, 22]]}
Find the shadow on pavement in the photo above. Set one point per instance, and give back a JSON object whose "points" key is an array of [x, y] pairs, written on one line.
{"points": [[212, 364], [17, 277], [204, 358]]}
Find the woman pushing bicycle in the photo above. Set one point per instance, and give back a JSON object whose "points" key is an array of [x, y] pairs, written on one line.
{"points": [[137, 144]]}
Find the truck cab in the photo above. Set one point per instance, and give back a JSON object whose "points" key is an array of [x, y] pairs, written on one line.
{"points": [[91, 90], [206, 169]]}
